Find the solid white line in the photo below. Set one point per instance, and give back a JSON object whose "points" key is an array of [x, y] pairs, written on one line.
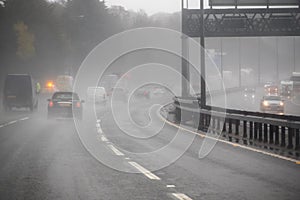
{"points": [[181, 196], [115, 150], [146, 172], [232, 143]]}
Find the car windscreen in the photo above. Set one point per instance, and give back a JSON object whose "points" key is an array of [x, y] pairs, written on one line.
{"points": [[65, 96], [17, 84], [274, 98], [249, 90]]}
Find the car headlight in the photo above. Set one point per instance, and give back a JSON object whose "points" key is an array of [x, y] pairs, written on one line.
{"points": [[281, 103], [265, 103]]}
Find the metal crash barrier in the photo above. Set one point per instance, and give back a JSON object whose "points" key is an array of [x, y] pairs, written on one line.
{"points": [[266, 130]]}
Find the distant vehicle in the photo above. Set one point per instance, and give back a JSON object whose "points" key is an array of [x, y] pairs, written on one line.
{"points": [[295, 78], [96, 93], [271, 89], [109, 82], [142, 92], [20, 91], [64, 83], [286, 89], [249, 93], [65, 104], [272, 103], [119, 93], [158, 91]]}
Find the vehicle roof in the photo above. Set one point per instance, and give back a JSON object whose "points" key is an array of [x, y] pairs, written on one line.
{"points": [[271, 96], [64, 93], [96, 88], [18, 75]]}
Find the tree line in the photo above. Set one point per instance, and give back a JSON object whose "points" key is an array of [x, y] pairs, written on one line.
{"points": [[54, 36]]}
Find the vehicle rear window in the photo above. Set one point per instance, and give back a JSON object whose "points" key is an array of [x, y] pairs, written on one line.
{"points": [[65, 96], [15, 84]]}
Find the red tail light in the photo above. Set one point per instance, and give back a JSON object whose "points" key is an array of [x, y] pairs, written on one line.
{"points": [[78, 104], [51, 104]]}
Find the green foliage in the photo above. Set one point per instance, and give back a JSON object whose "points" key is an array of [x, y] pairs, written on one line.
{"points": [[25, 41], [58, 35]]}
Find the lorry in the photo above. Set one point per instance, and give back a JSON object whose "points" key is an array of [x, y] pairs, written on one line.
{"points": [[286, 88], [295, 79], [20, 91], [64, 83]]}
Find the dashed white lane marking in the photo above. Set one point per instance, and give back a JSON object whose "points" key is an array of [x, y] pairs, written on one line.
{"points": [[170, 186], [231, 143], [144, 171], [99, 130], [115, 150], [12, 122], [104, 139], [98, 126], [23, 119], [181, 196]]}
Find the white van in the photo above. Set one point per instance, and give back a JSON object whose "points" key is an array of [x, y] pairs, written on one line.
{"points": [[98, 93]]}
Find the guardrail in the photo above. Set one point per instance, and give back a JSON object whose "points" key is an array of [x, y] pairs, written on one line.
{"points": [[272, 131]]}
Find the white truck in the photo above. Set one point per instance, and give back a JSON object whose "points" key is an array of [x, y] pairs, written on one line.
{"points": [[64, 83], [295, 78]]}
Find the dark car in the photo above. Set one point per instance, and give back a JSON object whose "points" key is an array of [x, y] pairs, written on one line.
{"points": [[65, 104], [19, 91]]}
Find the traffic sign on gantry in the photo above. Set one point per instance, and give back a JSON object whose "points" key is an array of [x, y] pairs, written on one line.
{"points": [[254, 2]]}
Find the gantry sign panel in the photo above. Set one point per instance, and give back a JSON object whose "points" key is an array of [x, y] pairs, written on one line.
{"points": [[253, 2], [239, 22]]}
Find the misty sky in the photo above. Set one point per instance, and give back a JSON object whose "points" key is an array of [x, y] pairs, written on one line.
{"points": [[150, 6]]}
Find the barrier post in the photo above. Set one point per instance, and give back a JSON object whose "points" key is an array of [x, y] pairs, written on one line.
{"points": [[265, 133], [271, 134], [290, 138], [283, 136]]}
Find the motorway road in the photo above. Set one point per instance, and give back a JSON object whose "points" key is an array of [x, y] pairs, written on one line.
{"points": [[42, 159], [238, 100]]}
